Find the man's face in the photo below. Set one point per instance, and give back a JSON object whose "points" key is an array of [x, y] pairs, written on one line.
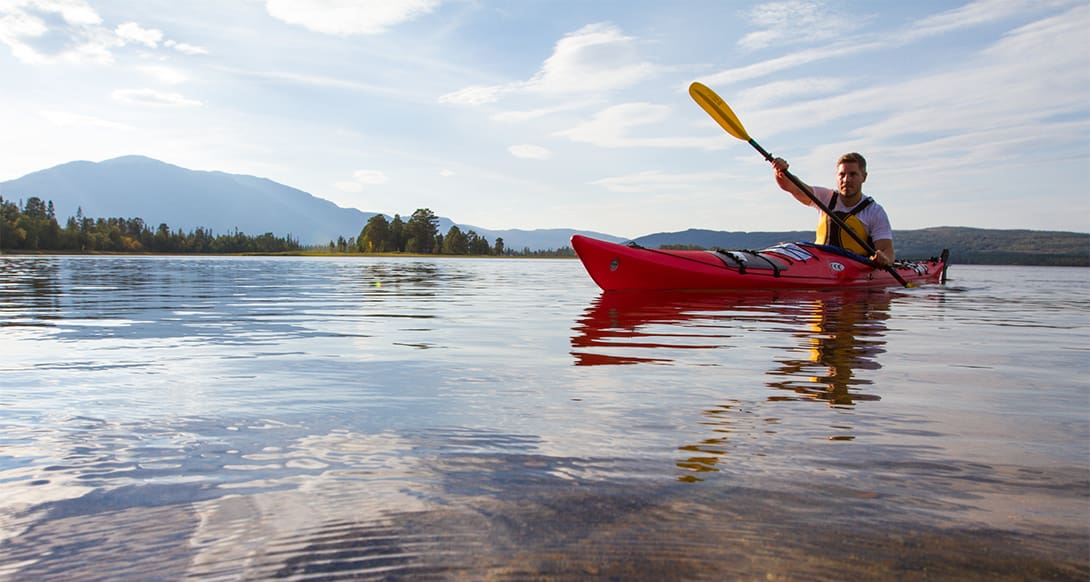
{"points": [[850, 178]]}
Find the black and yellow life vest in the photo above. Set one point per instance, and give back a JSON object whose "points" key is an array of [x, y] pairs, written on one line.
{"points": [[830, 233]]}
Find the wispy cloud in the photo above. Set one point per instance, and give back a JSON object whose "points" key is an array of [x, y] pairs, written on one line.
{"points": [[153, 98], [779, 91], [362, 179], [131, 32], [348, 17], [530, 152], [798, 21], [69, 119], [164, 74], [597, 58], [968, 16], [789, 61], [972, 14], [324, 82], [185, 49], [370, 177], [955, 125], [41, 32], [655, 181], [614, 127]]}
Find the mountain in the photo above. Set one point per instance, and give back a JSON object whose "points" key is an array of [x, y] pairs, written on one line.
{"points": [[158, 192]]}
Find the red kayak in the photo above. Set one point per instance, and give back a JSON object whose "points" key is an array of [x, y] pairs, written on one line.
{"points": [[617, 267]]}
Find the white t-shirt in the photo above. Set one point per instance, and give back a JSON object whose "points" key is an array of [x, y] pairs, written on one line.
{"points": [[873, 216]]}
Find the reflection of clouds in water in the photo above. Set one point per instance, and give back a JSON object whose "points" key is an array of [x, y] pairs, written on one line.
{"points": [[363, 481], [446, 501]]}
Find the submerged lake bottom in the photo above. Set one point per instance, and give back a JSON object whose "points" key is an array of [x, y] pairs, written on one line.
{"points": [[258, 418]]}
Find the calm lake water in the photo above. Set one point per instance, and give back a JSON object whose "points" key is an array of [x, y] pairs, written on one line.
{"points": [[255, 418]]}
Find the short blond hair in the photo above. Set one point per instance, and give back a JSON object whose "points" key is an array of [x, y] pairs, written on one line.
{"points": [[853, 158]]}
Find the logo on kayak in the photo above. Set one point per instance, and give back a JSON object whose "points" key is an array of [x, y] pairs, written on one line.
{"points": [[836, 267], [616, 263]]}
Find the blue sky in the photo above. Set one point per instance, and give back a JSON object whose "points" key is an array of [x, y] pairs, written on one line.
{"points": [[574, 114]]}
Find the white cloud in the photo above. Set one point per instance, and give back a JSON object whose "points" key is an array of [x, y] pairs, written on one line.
{"points": [[347, 17], [75, 12], [153, 98], [527, 115], [613, 127], [530, 152], [28, 34], [349, 187], [362, 179], [68, 119], [971, 14], [370, 177], [765, 68], [131, 32], [164, 74], [70, 31], [322, 81], [475, 95], [654, 181], [185, 49], [779, 91], [955, 122], [597, 58], [795, 21], [777, 16]]}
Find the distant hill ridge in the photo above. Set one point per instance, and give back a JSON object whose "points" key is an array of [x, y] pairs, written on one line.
{"points": [[158, 192]]}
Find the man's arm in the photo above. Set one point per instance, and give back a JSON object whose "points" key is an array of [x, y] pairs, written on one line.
{"points": [[884, 255], [785, 183]]}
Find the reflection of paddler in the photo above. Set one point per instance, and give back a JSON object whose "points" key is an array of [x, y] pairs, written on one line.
{"points": [[845, 335]]}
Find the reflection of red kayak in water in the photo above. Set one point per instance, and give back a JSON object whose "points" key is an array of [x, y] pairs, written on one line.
{"points": [[828, 335], [800, 345], [654, 324], [616, 267]]}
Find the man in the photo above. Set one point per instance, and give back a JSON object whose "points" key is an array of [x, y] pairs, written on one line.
{"points": [[859, 213]]}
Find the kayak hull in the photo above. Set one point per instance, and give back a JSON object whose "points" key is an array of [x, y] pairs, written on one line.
{"points": [[618, 267]]}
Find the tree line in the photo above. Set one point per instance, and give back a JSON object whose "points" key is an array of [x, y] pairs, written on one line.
{"points": [[33, 226], [419, 235]]}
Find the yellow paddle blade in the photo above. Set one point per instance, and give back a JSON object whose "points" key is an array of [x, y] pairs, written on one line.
{"points": [[718, 109]]}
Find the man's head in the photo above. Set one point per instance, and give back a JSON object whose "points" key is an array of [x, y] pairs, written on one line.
{"points": [[851, 172], [855, 158]]}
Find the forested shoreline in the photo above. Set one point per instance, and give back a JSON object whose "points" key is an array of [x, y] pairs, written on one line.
{"points": [[33, 227]]}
